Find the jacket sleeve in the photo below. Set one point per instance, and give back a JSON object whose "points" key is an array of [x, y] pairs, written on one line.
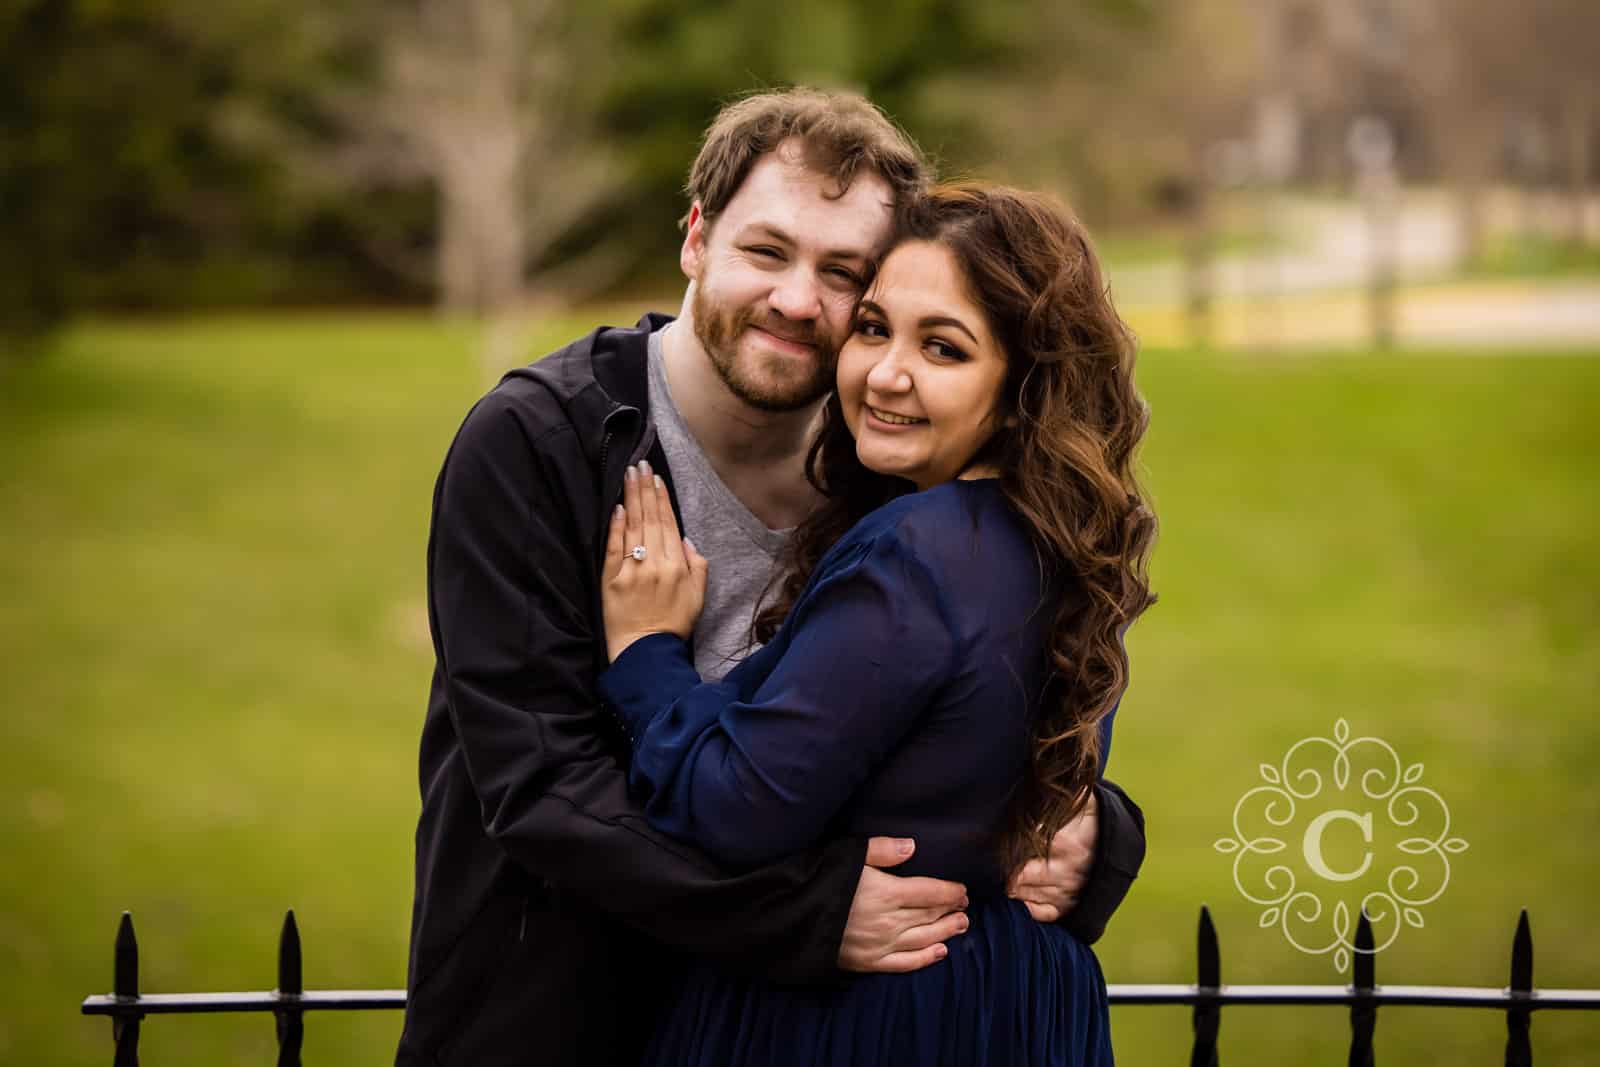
{"points": [[511, 607]]}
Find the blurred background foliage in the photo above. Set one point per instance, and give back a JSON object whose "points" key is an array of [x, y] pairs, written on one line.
{"points": [[174, 153]]}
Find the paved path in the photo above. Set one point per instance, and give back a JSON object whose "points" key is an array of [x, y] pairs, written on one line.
{"points": [[1311, 292], [1466, 315]]}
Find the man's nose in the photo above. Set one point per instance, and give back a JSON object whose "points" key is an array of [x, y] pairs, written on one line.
{"points": [[796, 297]]}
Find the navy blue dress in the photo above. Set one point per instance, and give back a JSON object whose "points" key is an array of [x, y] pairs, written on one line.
{"points": [[896, 699]]}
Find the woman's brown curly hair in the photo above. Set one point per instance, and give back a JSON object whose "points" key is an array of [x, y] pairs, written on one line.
{"points": [[1066, 427]]}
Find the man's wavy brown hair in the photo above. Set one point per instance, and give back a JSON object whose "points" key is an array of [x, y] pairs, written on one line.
{"points": [[1067, 424], [838, 134]]}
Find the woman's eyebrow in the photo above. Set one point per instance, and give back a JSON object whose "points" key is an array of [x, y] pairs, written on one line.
{"points": [[870, 307], [945, 320]]}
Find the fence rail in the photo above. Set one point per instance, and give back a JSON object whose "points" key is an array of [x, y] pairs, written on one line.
{"points": [[290, 1001]]}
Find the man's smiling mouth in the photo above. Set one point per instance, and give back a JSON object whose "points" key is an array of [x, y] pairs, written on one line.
{"points": [[796, 342]]}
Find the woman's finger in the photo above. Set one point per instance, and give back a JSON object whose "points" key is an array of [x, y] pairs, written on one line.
{"points": [[633, 529], [648, 516], [615, 549]]}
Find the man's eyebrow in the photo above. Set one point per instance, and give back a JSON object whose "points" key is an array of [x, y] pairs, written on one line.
{"points": [[782, 237]]}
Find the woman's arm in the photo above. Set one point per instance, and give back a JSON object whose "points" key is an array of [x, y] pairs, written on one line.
{"points": [[756, 766]]}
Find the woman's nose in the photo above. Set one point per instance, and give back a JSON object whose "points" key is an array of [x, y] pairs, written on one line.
{"points": [[889, 374]]}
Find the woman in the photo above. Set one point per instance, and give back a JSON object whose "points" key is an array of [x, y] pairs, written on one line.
{"points": [[943, 656]]}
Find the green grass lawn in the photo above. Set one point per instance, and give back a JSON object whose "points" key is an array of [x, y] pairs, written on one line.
{"points": [[215, 660], [1535, 256]]}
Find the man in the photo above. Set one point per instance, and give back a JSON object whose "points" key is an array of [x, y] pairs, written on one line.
{"points": [[548, 913]]}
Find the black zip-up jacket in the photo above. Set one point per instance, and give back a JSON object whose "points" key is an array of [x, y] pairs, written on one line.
{"points": [[548, 913]]}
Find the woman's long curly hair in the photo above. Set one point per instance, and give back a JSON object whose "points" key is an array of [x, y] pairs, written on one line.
{"points": [[1066, 426]]}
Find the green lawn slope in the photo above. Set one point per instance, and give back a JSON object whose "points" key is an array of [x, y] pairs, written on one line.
{"points": [[215, 658]]}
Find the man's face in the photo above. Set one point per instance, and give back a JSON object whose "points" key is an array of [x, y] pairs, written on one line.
{"points": [[777, 277]]}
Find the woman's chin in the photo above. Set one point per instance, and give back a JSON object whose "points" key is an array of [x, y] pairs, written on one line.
{"points": [[882, 465]]}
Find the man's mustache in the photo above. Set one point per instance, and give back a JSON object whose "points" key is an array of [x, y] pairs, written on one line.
{"points": [[804, 333]]}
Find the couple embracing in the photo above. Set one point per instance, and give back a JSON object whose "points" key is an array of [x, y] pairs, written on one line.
{"points": [[778, 644]]}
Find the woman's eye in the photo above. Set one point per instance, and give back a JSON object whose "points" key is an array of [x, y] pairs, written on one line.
{"points": [[946, 351], [871, 328]]}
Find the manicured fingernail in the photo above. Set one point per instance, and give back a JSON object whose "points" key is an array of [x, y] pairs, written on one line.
{"points": [[659, 483], [627, 474], [618, 512], [905, 847], [644, 466], [689, 545]]}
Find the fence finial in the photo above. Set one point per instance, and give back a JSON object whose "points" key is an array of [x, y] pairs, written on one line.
{"points": [[125, 987], [125, 977], [1519, 1020], [289, 1015], [289, 977], [1207, 1015], [1363, 980]]}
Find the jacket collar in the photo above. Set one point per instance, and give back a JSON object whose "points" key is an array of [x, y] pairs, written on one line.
{"points": [[601, 383]]}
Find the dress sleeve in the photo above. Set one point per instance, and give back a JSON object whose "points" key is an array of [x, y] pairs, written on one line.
{"points": [[755, 766], [1105, 736]]}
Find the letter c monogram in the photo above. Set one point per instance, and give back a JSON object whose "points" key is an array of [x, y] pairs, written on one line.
{"points": [[1313, 844]]}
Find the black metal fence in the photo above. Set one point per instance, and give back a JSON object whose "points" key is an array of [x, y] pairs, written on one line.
{"points": [[290, 1002]]}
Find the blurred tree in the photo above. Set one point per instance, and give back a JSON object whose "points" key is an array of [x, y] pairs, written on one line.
{"points": [[162, 152], [1495, 82], [674, 62], [493, 100], [1566, 83], [97, 190], [145, 160]]}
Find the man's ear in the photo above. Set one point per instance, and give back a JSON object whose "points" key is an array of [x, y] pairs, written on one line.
{"points": [[692, 254]]}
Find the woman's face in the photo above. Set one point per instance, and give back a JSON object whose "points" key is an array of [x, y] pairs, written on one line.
{"points": [[920, 375]]}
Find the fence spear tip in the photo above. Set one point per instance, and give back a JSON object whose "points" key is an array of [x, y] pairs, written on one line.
{"points": [[1522, 956], [289, 965], [125, 968], [1209, 956]]}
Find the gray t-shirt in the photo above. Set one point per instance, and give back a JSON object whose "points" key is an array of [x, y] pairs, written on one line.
{"points": [[741, 550]]}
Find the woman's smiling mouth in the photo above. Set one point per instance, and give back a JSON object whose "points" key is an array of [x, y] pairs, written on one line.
{"points": [[891, 418]]}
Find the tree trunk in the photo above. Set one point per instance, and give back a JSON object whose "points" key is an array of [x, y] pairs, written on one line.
{"points": [[457, 257], [1579, 120]]}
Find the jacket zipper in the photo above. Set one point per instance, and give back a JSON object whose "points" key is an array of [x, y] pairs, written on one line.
{"points": [[605, 448]]}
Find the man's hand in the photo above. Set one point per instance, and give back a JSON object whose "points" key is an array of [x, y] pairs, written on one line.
{"points": [[1050, 886], [899, 924]]}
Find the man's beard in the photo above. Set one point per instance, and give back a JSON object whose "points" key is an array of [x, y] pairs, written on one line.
{"points": [[775, 383]]}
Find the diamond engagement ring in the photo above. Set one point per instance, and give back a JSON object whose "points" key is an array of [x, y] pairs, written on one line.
{"points": [[638, 553]]}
